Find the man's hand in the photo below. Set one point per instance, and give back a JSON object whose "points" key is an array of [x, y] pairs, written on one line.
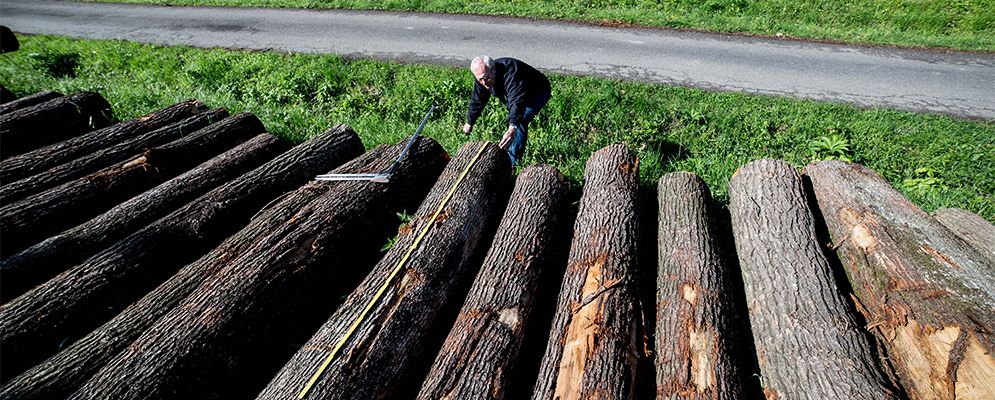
{"points": [[509, 136], [467, 128]]}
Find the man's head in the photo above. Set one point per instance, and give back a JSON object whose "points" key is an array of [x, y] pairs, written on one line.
{"points": [[483, 70]]}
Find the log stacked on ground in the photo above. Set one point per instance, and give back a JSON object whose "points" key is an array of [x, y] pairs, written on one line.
{"points": [[8, 41], [976, 231], [595, 342], [392, 336], [6, 96], [926, 295], [698, 333], [482, 348], [808, 343], [52, 121], [27, 101], [64, 308]]}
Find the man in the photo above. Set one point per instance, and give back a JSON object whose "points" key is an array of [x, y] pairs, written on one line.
{"points": [[521, 88]]}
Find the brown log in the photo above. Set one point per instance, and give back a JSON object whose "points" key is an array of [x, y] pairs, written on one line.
{"points": [[14, 104], [265, 295], [808, 343], [8, 41], [976, 231], [698, 332], [594, 345], [26, 222], [70, 305], [52, 121], [48, 167], [6, 96], [44, 260], [394, 335], [924, 292], [482, 348]]}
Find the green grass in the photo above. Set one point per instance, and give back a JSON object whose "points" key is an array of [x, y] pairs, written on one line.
{"points": [[937, 161], [957, 24]]}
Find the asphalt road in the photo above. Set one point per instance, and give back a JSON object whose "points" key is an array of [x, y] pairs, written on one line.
{"points": [[952, 83]]}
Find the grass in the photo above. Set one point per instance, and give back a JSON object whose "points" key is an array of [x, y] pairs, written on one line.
{"points": [[956, 24], [936, 161]]}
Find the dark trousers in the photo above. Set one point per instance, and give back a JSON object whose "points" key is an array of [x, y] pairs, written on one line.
{"points": [[517, 148]]}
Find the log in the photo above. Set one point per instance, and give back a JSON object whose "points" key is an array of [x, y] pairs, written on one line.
{"points": [[393, 336], [808, 342], [595, 342], [924, 292], [52, 121], [976, 231], [699, 336], [482, 348], [8, 41], [44, 260], [70, 305], [265, 295], [36, 217], [6, 96], [14, 104], [48, 167]]}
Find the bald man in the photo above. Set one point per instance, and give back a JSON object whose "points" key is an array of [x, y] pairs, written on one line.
{"points": [[521, 88]]}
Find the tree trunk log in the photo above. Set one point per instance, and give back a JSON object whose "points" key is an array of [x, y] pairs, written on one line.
{"points": [[8, 41], [925, 293], [808, 343], [976, 231], [261, 297], [41, 262], [27, 101], [698, 332], [6, 96], [393, 336], [43, 169], [32, 219], [52, 121], [70, 305], [482, 348], [595, 343]]}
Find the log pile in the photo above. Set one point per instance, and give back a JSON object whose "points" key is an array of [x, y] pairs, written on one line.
{"points": [[52, 121]]}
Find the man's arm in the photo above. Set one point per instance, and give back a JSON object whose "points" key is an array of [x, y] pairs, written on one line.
{"points": [[514, 86], [478, 99]]}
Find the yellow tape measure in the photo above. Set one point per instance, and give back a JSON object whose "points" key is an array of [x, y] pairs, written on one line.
{"points": [[390, 278]]}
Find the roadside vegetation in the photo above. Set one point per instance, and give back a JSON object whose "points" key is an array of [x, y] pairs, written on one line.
{"points": [[956, 24], [937, 161]]}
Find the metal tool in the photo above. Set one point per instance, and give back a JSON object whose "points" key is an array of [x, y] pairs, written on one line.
{"points": [[382, 177]]}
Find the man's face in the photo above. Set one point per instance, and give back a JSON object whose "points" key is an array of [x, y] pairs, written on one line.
{"points": [[484, 76]]}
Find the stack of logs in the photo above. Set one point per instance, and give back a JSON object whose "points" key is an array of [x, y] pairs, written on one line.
{"points": [[189, 254]]}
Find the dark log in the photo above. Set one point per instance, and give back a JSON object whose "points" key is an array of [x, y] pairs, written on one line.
{"points": [[48, 167], [482, 348], [263, 296], [698, 333], [595, 342], [70, 305], [52, 121], [808, 343], [36, 217], [41, 262], [976, 231], [16, 104], [926, 295], [393, 336], [8, 41], [6, 96]]}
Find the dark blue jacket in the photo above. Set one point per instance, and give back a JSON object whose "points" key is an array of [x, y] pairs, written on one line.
{"points": [[515, 84]]}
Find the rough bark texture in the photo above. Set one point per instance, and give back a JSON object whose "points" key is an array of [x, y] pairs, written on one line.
{"points": [[976, 231], [40, 262], [482, 348], [393, 336], [697, 330], [8, 41], [263, 295], [924, 293], [47, 167], [808, 343], [64, 308], [52, 121], [27, 101], [595, 342]]}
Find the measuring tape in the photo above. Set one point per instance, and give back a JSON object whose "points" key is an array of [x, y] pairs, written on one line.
{"points": [[390, 278]]}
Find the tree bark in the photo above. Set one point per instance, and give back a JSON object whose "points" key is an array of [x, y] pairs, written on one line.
{"points": [[80, 299], [482, 348], [52, 121], [698, 333], [595, 342], [36, 217], [808, 343], [38, 263], [8, 41], [265, 294], [6, 96], [976, 231], [393, 336], [16, 104], [47, 167], [925, 293]]}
